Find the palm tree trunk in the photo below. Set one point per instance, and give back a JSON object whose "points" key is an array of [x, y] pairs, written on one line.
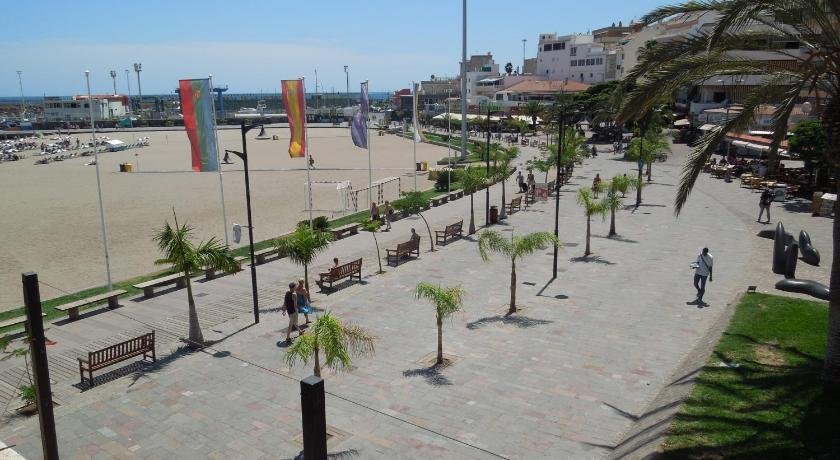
{"points": [[196, 339], [429, 229], [378, 255], [588, 220], [612, 222], [317, 370], [306, 276], [831, 366], [472, 215], [512, 307], [439, 360]]}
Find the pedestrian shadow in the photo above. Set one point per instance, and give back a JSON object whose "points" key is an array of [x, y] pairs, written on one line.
{"points": [[432, 375], [590, 260], [520, 321]]}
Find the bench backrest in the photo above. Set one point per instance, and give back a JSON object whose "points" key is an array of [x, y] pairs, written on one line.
{"points": [[516, 201], [409, 245], [142, 343], [451, 229], [345, 269]]}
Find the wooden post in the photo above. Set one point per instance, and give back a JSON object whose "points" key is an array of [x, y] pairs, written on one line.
{"points": [[43, 393], [314, 418]]}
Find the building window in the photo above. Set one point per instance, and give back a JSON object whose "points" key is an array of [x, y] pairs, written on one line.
{"points": [[573, 51], [547, 47], [599, 61], [559, 46]]}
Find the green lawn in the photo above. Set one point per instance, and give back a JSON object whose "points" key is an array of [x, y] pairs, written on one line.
{"points": [[769, 401]]}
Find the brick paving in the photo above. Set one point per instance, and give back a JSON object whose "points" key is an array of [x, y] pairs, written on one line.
{"points": [[567, 377]]}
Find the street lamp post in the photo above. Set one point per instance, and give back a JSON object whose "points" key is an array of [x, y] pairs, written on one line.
{"points": [[98, 183], [128, 85], [114, 79], [244, 156], [524, 40], [22, 103], [347, 88], [137, 68], [643, 130], [448, 140], [490, 110], [561, 137]]}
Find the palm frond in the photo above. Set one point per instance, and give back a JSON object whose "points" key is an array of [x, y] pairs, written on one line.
{"points": [[491, 240], [302, 350], [532, 242], [447, 300], [303, 245]]}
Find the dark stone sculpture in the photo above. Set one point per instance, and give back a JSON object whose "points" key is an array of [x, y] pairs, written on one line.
{"points": [[811, 288], [771, 235], [810, 255], [791, 257], [779, 250]]}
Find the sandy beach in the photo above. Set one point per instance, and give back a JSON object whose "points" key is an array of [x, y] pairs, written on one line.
{"points": [[51, 213]]}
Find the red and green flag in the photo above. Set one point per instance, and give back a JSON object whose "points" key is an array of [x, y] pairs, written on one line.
{"points": [[197, 109], [295, 101]]}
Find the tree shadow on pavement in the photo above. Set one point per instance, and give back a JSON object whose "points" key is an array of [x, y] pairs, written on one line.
{"points": [[591, 259], [519, 321], [342, 455], [618, 238], [432, 375]]}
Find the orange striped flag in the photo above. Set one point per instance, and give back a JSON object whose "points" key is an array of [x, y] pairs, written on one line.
{"points": [[295, 102]]}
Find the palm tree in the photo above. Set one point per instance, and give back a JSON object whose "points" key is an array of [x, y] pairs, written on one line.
{"points": [[335, 339], [184, 257], [618, 184], [514, 248], [302, 246], [472, 181], [648, 148], [813, 25], [372, 226], [503, 156], [414, 203], [447, 301], [574, 149], [509, 68], [591, 207], [534, 110]]}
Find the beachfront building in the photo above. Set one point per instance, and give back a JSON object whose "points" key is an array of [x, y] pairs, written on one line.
{"points": [[763, 119], [105, 107], [480, 68], [543, 91], [573, 57]]}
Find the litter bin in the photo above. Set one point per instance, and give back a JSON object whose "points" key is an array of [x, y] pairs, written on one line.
{"points": [[494, 214], [425, 165], [418, 167], [128, 167], [122, 167]]}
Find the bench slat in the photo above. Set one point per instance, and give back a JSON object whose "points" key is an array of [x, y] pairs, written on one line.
{"points": [[90, 300]]}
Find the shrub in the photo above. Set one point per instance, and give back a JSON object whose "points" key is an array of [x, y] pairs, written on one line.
{"points": [[320, 223], [444, 178]]}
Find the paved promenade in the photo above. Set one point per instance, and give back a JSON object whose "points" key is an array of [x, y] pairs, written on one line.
{"points": [[567, 377]]}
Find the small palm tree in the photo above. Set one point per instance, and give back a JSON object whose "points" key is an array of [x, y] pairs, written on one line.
{"points": [[514, 248], [503, 158], [184, 257], [372, 226], [652, 145], [591, 207], [447, 301], [335, 339], [414, 203], [535, 110], [618, 184], [472, 181], [302, 246]]}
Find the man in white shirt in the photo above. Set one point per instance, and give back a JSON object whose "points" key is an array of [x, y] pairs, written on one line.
{"points": [[702, 270]]}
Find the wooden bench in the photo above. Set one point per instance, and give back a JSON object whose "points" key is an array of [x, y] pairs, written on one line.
{"points": [[451, 231], [210, 273], [349, 270], [260, 256], [440, 200], [350, 229], [149, 286], [407, 249], [514, 205], [16, 322], [73, 308], [100, 359]]}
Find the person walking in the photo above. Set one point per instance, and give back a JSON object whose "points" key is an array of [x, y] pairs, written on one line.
{"points": [[374, 211], [303, 301], [532, 182], [389, 215], [520, 179], [767, 197], [290, 308], [596, 184], [702, 270]]}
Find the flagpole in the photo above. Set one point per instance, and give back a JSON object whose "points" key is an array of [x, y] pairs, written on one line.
{"points": [[99, 184], [414, 137], [219, 164], [308, 147], [370, 163]]}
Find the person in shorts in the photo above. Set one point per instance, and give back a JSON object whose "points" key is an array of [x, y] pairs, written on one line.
{"points": [[290, 308]]}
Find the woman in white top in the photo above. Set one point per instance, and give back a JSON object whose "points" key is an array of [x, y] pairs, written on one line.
{"points": [[702, 270]]}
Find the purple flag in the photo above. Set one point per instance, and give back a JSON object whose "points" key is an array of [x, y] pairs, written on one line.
{"points": [[359, 125]]}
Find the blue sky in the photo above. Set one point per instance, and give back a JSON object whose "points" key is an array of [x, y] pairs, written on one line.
{"points": [[251, 45]]}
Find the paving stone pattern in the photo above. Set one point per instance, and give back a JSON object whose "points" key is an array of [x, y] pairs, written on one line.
{"points": [[566, 377]]}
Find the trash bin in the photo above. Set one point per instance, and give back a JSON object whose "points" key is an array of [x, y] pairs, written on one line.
{"points": [[418, 167], [129, 167], [494, 214], [425, 165], [122, 167]]}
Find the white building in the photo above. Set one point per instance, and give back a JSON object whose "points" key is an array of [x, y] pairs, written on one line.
{"points": [[574, 57], [105, 107], [480, 67]]}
